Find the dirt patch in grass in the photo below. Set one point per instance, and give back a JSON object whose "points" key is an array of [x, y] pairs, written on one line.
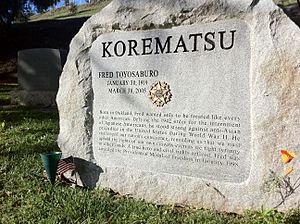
{"points": [[8, 70]]}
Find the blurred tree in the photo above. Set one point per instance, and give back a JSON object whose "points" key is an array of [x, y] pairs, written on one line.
{"points": [[11, 10], [43, 5], [67, 2], [19, 10], [73, 8]]}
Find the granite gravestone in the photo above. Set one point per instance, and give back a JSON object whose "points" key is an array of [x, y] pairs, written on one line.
{"points": [[190, 128], [184, 102], [38, 74]]}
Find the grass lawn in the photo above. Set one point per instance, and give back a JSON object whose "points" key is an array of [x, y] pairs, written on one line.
{"points": [[26, 197], [64, 12], [91, 9], [285, 2]]}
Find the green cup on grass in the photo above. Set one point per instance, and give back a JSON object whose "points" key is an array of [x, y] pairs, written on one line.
{"points": [[50, 161]]}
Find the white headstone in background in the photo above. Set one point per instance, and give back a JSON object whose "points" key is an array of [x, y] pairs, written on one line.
{"points": [[185, 101], [38, 75], [39, 69]]}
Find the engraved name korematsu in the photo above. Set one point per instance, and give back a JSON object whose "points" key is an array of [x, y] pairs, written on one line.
{"points": [[191, 42]]}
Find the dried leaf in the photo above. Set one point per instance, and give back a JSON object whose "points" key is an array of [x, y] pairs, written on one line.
{"points": [[288, 171], [287, 156]]}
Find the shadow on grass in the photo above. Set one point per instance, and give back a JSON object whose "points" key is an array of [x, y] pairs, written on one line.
{"points": [[26, 131], [89, 172], [15, 115], [5, 91]]}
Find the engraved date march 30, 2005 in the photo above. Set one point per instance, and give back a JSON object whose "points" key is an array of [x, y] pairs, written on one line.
{"points": [[127, 90]]}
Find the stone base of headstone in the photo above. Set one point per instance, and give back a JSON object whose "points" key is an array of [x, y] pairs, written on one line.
{"points": [[34, 98]]}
